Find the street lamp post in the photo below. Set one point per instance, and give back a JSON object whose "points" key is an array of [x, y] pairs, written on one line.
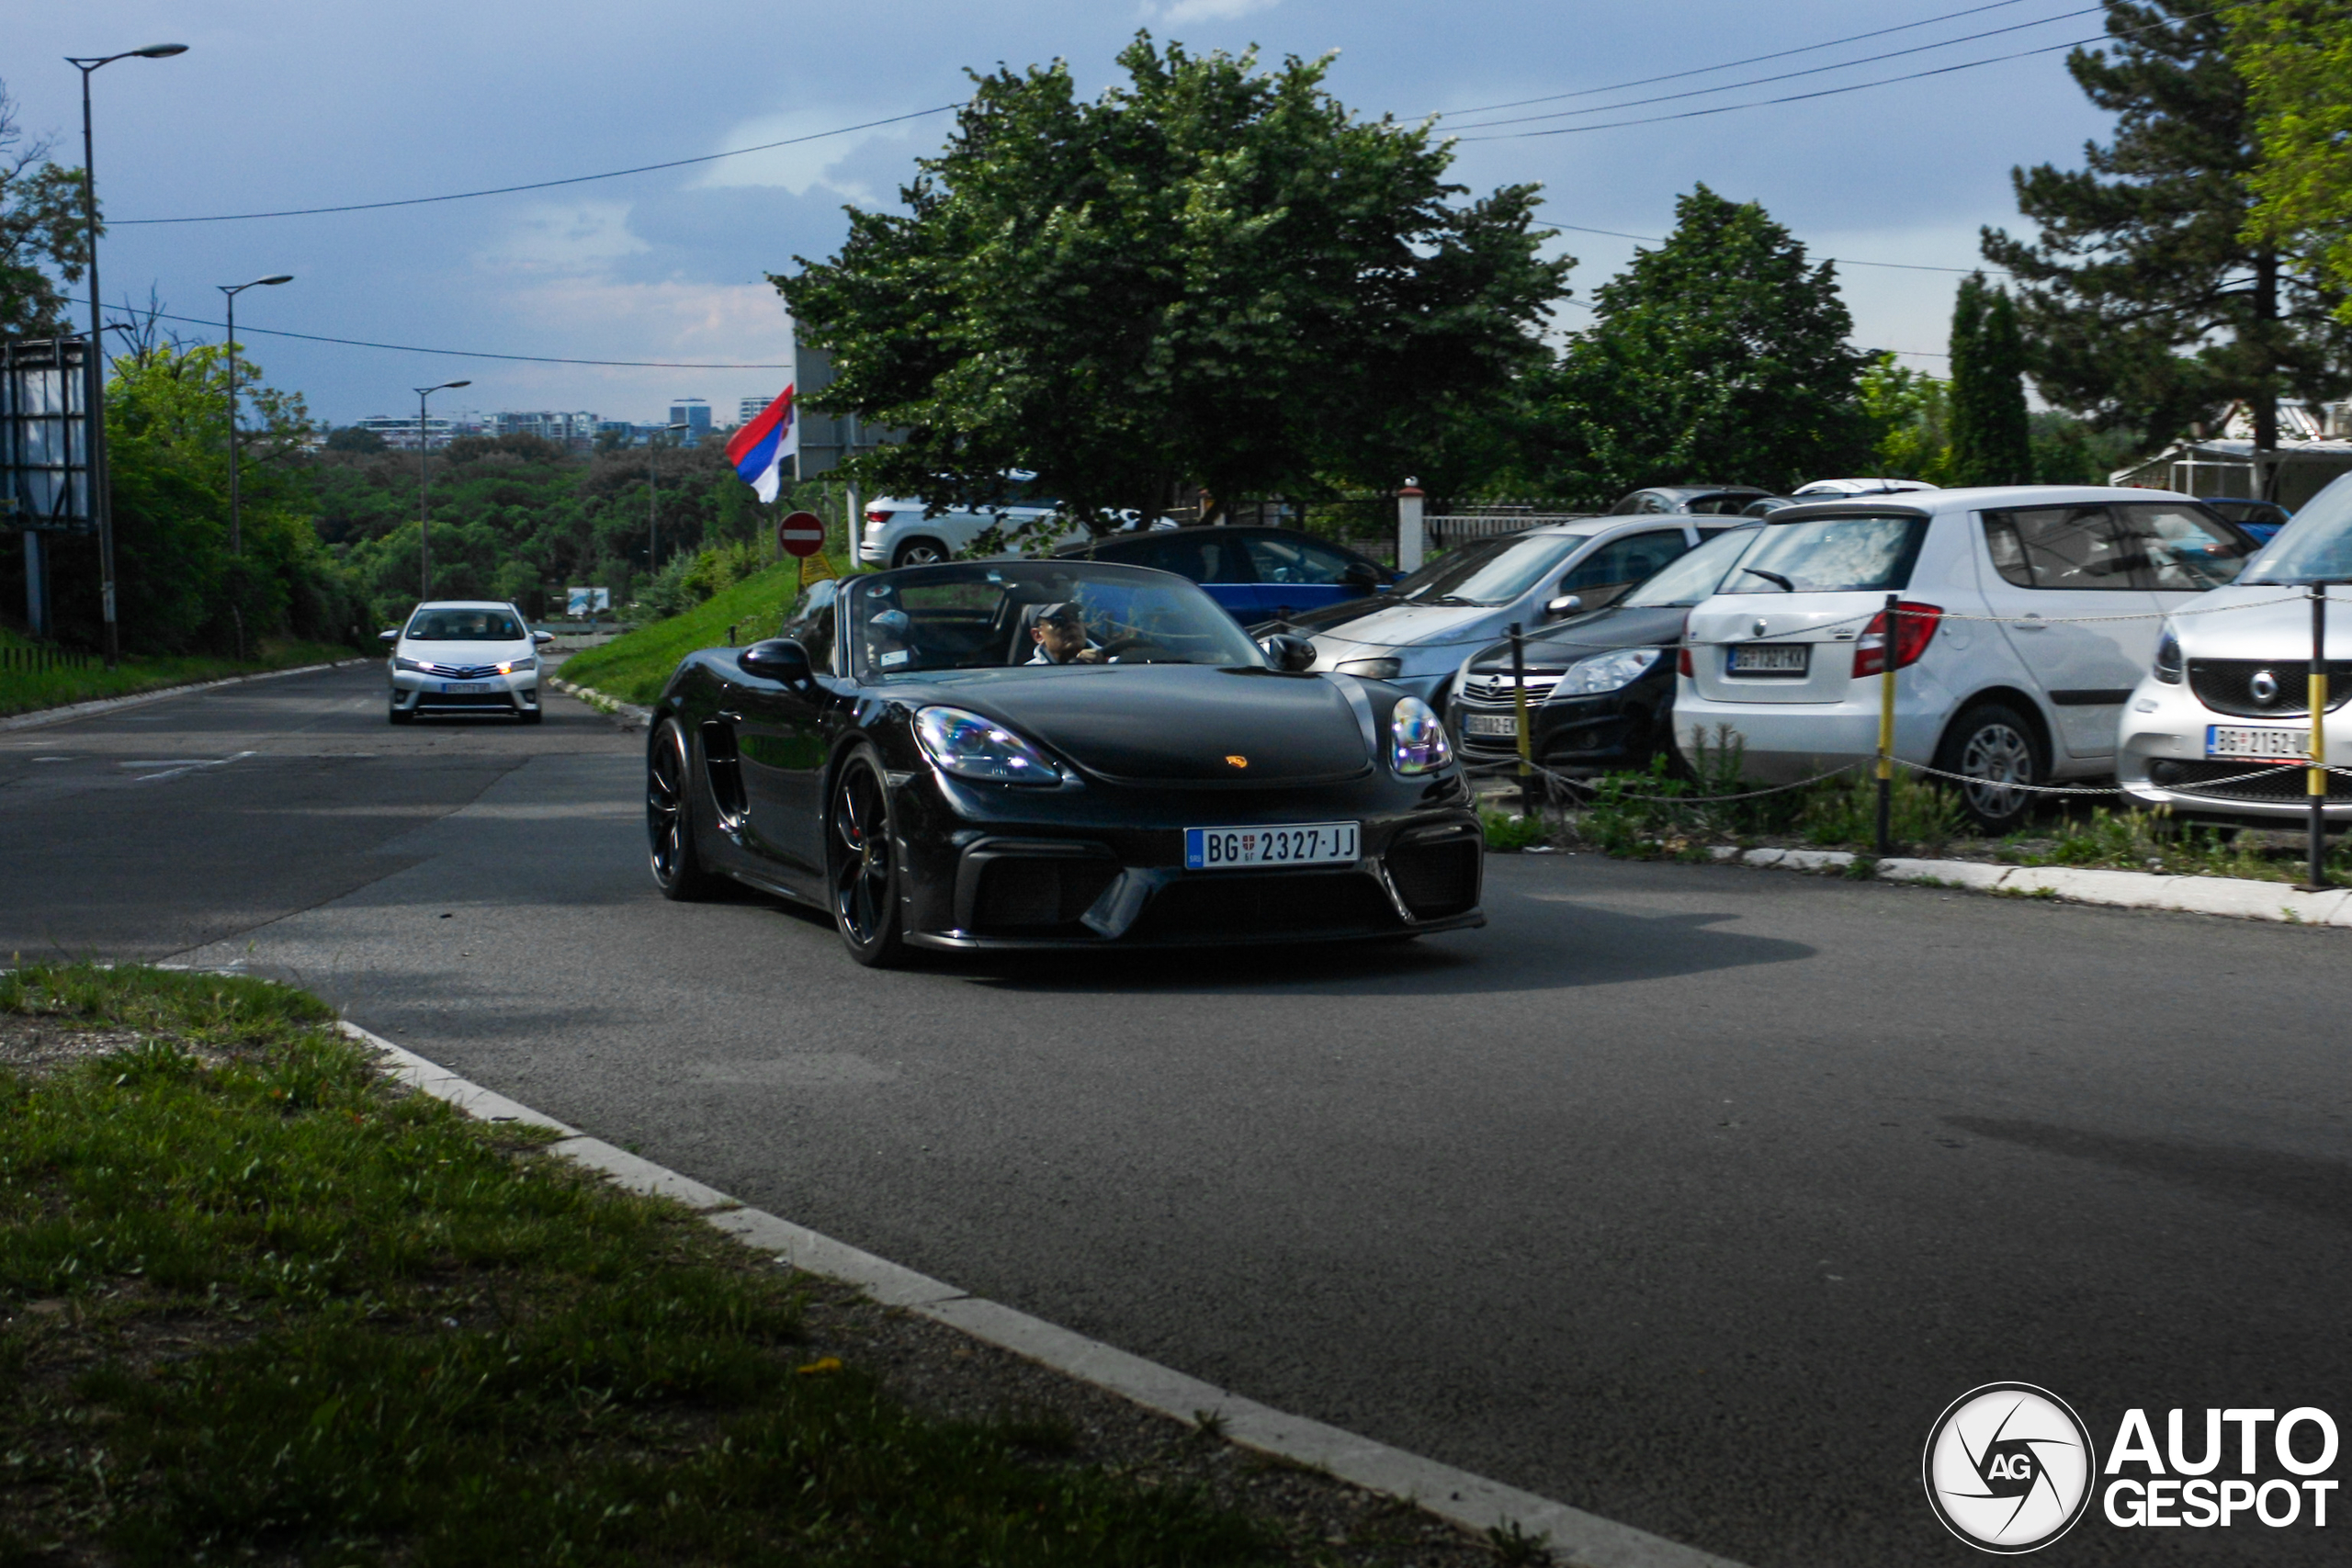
{"points": [[424, 491], [653, 505], [101, 498], [236, 526]]}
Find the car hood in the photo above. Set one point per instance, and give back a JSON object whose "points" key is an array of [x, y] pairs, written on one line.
{"points": [[1178, 724], [1404, 624], [2258, 620], [466, 653], [1600, 632]]}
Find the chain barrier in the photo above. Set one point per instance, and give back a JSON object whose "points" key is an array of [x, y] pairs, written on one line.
{"points": [[1592, 790]]}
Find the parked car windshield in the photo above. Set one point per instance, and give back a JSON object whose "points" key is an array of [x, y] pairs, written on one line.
{"points": [[1831, 555], [464, 626], [2316, 546], [1693, 576], [1492, 571], [981, 616]]}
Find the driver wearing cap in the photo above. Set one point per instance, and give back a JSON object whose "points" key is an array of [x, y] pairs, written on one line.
{"points": [[1060, 635]]}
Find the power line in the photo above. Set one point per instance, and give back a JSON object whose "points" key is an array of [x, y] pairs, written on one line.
{"points": [[1788, 75], [1841, 261], [1728, 65], [461, 352], [542, 185]]}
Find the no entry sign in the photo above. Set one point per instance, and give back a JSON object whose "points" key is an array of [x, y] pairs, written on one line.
{"points": [[802, 533]]}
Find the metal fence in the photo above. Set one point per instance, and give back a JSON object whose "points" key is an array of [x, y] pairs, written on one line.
{"points": [[44, 435]]}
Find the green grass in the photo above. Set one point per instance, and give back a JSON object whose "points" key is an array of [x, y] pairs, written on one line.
{"points": [[258, 1306], [633, 667], [24, 691]]}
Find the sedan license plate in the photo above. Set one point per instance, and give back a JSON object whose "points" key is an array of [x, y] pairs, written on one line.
{"points": [[1771, 657], [1502, 724], [1299, 844], [2260, 745], [465, 687]]}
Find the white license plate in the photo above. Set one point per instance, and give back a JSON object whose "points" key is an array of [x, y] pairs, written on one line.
{"points": [[1503, 724], [459, 688], [1297, 843], [1773, 657], [2270, 745]]}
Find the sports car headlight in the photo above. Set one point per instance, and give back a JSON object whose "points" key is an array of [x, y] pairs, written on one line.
{"points": [[399, 663], [2168, 661], [1417, 742], [1371, 669], [971, 746], [1606, 671]]}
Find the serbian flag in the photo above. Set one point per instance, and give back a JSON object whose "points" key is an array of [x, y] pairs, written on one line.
{"points": [[759, 449]]}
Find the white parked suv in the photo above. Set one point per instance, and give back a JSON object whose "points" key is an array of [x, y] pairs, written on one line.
{"points": [[2228, 693], [2068, 584], [898, 533], [473, 656]]}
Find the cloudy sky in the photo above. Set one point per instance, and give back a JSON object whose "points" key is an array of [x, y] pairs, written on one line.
{"points": [[288, 105]]}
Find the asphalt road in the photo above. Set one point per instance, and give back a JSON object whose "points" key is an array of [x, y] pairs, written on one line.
{"points": [[1689, 1195]]}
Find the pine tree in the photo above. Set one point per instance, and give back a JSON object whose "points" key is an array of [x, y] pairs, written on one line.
{"points": [[1992, 440], [2144, 304]]}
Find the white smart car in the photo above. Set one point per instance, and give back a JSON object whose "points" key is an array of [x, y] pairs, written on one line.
{"points": [[2228, 695], [474, 655], [2028, 614]]}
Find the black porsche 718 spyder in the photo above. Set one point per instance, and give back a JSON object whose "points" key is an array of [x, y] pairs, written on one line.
{"points": [[907, 756]]}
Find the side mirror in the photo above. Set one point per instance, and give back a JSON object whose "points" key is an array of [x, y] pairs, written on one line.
{"points": [[542, 638], [1292, 655], [389, 638], [778, 658], [1361, 575], [1566, 604]]}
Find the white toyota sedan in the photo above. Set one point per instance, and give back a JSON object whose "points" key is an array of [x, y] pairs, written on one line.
{"points": [[470, 656]]}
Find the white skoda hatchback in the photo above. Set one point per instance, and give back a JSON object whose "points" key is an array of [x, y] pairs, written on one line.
{"points": [[2028, 614], [465, 656]]}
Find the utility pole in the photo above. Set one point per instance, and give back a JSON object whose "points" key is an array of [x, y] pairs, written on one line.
{"points": [[236, 529], [425, 492]]}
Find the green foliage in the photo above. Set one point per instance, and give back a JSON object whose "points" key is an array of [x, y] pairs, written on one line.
{"points": [[2296, 58], [1207, 275], [2143, 300], [356, 438], [1912, 414], [43, 244], [1922, 816], [1511, 830], [23, 689], [689, 580], [2155, 840], [1720, 356], [2072, 451], [1991, 439], [633, 667]]}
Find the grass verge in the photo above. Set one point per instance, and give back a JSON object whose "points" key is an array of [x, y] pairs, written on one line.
{"points": [[633, 667], [261, 1306], [27, 691]]}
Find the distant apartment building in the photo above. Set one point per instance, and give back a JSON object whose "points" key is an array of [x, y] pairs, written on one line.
{"points": [[399, 430], [575, 431], [750, 409], [695, 414]]}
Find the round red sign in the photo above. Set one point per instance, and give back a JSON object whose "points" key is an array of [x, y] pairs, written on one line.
{"points": [[802, 533]]}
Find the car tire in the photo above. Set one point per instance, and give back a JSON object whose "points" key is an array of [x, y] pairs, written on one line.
{"points": [[918, 552], [533, 715], [1993, 742], [862, 862], [675, 858], [398, 715]]}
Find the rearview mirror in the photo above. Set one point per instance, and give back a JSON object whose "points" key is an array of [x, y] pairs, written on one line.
{"points": [[1292, 655], [1566, 604], [778, 658], [543, 638], [1362, 574], [389, 636]]}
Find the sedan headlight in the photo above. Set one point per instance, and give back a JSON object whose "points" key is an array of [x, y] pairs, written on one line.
{"points": [[1606, 671], [2168, 662], [1417, 742], [512, 666], [970, 747], [402, 663], [1371, 669]]}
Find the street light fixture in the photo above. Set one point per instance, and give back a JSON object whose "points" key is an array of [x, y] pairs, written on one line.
{"points": [[236, 530], [653, 505], [424, 491], [101, 498]]}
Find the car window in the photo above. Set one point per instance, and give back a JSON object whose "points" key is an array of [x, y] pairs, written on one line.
{"points": [[1653, 504], [2180, 548], [1693, 576], [1280, 559], [979, 615], [1207, 556], [1830, 555], [2063, 548], [1633, 558], [2316, 546], [810, 622], [1629, 504], [1492, 571], [464, 626], [1720, 505]]}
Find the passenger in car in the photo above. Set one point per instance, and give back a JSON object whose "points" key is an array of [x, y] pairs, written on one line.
{"points": [[1059, 632]]}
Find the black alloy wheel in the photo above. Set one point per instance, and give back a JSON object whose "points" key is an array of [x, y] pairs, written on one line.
{"points": [[862, 862], [669, 816], [920, 552], [1997, 749]]}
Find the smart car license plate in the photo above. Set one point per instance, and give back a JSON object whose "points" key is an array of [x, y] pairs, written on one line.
{"points": [[1771, 657], [458, 688], [2261, 745], [1297, 843], [1503, 724]]}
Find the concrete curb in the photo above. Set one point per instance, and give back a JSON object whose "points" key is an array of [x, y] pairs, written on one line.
{"points": [[628, 713], [106, 704], [2234, 896], [1472, 1502]]}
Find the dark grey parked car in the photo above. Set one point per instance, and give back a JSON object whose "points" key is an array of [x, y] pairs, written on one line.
{"points": [[1706, 501]]}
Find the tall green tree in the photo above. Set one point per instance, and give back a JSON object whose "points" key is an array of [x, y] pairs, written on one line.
{"points": [[1719, 357], [43, 246], [1992, 439], [1910, 414], [2296, 57], [2143, 301], [1208, 275]]}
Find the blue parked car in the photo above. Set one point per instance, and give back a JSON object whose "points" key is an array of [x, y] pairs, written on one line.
{"points": [[2260, 518], [1257, 573]]}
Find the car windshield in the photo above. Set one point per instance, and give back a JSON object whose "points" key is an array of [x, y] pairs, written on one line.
{"points": [[2316, 546], [1690, 577], [984, 615], [464, 626], [1492, 571], [1832, 555]]}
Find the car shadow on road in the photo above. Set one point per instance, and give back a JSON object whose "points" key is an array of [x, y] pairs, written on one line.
{"points": [[2319, 1188]]}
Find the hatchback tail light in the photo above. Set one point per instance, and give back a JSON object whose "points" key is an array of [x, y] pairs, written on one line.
{"points": [[879, 516], [1682, 662], [1917, 624]]}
